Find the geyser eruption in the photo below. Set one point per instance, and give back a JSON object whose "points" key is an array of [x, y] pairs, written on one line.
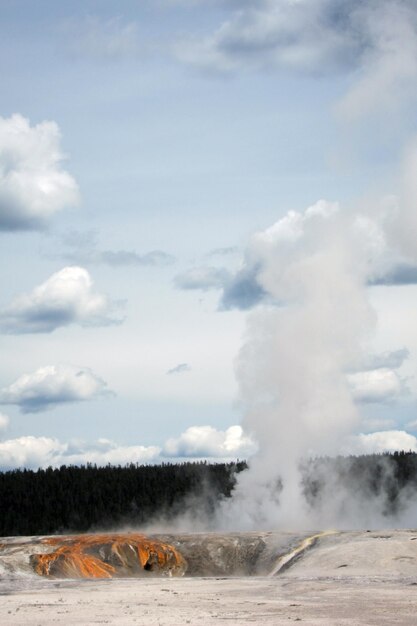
{"points": [[293, 368]]}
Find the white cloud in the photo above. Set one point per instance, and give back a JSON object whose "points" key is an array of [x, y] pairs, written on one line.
{"points": [[206, 441], [380, 385], [67, 297], [52, 385], [33, 452], [389, 57], [196, 442], [375, 378], [106, 451], [373, 40], [4, 422], [307, 35], [33, 184], [383, 441], [29, 452]]}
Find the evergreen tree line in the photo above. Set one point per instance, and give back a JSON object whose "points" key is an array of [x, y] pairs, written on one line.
{"points": [[87, 498], [78, 499], [389, 478]]}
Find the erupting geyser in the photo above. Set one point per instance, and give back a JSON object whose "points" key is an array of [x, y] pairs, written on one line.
{"points": [[107, 556]]}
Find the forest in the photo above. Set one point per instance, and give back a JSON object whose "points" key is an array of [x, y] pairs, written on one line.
{"points": [[85, 498], [88, 498]]}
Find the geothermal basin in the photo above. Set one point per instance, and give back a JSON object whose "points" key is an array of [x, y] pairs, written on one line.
{"points": [[360, 577]]}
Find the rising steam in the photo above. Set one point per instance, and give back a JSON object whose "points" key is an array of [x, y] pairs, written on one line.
{"points": [[293, 368]]}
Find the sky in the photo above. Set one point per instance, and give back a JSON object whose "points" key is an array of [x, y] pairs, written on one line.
{"points": [[162, 164]]}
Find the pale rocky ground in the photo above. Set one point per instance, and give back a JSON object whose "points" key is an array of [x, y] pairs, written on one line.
{"points": [[351, 578]]}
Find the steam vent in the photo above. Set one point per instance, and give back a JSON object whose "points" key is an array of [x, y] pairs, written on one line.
{"points": [[107, 556]]}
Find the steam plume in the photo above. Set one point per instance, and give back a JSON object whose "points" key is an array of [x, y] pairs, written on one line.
{"points": [[293, 367]]}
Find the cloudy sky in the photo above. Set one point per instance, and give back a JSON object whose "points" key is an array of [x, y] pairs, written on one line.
{"points": [[166, 168]]}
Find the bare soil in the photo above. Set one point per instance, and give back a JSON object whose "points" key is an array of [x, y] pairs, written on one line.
{"points": [[358, 578]]}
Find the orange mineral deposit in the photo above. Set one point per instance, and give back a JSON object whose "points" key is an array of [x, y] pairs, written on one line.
{"points": [[107, 556]]}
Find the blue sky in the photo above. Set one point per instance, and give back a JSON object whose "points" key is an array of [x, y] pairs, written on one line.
{"points": [[142, 147]]}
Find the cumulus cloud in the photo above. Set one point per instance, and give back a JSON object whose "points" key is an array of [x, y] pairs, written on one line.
{"points": [[375, 378], [383, 441], [34, 452], [389, 57], [197, 442], [29, 452], [67, 297], [314, 36], [52, 385], [33, 184], [373, 40], [179, 369], [380, 385], [105, 451], [206, 441]]}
